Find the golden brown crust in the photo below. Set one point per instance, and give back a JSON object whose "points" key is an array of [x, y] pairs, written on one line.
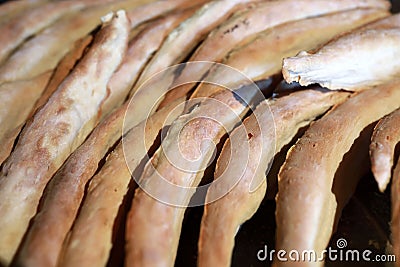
{"points": [[65, 192], [306, 206], [18, 100], [259, 63], [188, 34], [159, 8], [62, 70], [45, 50], [11, 9], [240, 177], [90, 239], [140, 51], [16, 30], [383, 142], [56, 130], [256, 19], [155, 224], [350, 61]]}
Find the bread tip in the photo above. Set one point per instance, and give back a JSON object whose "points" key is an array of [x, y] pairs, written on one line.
{"points": [[107, 18]]}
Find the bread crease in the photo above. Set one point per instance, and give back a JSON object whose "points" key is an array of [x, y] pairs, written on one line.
{"points": [[45, 50], [18, 98], [159, 8], [251, 21], [11, 9], [91, 236], [240, 171], [261, 57], [350, 61], [306, 206], [56, 130], [64, 194], [172, 175], [26, 24], [383, 142], [188, 34]]}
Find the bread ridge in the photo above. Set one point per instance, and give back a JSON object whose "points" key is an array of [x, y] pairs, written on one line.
{"points": [[56, 130]]}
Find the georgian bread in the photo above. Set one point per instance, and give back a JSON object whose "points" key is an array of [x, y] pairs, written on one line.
{"points": [[383, 142], [350, 62], [154, 224], [18, 99], [11, 9], [56, 130], [66, 189], [306, 206], [91, 236], [188, 34], [44, 51], [159, 8], [31, 21], [282, 41], [255, 19], [140, 51], [273, 124]]}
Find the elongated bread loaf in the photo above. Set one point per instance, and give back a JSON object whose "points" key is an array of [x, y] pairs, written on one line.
{"points": [[188, 34], [16, 30], [159, 8], [18, 99], [306, 206], [29, 96], [62, 70], [240, 171], [140, 51], [11, 9], [171, 177], [384, 140], [256, 19], [350, 61], [44, 51], [91, 237], [66, 189], [56, 130], [259, 63]]}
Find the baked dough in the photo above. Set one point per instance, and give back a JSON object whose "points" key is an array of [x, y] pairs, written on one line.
{"points": [[65, 191], [18, 100], [350, 62], [188, 34], [383, 142], [240, 177], [91, 236], [56, 130], [155, 223], [248, 23], [306, 206], [45, 50], [257, 62], [26, 24]]}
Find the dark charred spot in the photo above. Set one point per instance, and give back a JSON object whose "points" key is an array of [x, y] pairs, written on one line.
{"points": [[231, 29], [249, 136]]}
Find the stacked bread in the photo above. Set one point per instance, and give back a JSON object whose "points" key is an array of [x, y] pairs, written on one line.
{"points": [[113, 110]]}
